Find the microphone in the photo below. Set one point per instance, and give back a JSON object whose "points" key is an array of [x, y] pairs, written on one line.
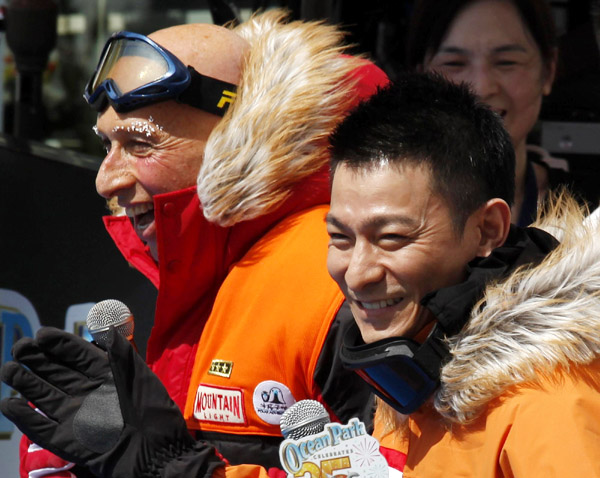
{"points": [[303, 418], [314, 445], [110, 313]]}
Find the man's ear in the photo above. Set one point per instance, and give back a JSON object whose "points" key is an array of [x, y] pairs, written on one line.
{"points": [[494, 225]]}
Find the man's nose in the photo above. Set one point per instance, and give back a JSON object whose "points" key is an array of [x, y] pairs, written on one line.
{"points": [[114, 175], [364, 267]]}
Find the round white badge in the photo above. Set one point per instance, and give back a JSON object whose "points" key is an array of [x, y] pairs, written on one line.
{"points": [[271, 399]]}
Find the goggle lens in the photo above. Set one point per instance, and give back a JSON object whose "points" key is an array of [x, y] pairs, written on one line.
{"points": [[134, 72], [401, 384], [130, 64]]}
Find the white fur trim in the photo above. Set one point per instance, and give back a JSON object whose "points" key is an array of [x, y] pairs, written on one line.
{"points": [[294, 89], [536, 321]]}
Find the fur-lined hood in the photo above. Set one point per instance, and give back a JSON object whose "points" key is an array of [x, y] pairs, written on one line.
{"points": [[295, 88], [536, 321]]}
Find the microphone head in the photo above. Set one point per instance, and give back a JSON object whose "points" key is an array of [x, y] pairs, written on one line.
{"points": [[109, 313], [303, 418]]}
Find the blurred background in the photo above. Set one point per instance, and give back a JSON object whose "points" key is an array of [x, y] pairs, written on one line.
{"points": [[377, 27]]}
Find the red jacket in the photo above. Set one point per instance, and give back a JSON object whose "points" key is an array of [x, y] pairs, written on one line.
{"points": [[197, 260]]}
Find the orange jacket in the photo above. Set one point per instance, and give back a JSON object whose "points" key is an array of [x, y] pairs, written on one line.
{"points": [[209, 310], [520, 393], [548, 429], [260, 347]]}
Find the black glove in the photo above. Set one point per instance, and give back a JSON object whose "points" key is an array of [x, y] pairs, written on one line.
{"points": [[108, 412]]}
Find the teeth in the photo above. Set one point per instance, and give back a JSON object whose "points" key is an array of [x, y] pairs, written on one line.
{"points": [[138, 209], [380, 304]]}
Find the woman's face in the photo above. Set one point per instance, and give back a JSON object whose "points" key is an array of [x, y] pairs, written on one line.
{"points": [[489, 46]]}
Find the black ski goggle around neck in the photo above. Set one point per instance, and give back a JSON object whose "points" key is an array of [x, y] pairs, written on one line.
{"points": [[391, 369]]}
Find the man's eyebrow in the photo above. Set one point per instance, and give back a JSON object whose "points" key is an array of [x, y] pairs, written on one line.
{"points": [[386, 220], [139, 127], [332, 220], [377, 221]]}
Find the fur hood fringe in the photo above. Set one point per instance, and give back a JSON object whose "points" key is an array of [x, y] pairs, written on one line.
{"points": [[295, 88], [534, 323]]}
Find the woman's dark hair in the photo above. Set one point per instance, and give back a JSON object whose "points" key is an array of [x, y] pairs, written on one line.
{"points": [[431, 19]]}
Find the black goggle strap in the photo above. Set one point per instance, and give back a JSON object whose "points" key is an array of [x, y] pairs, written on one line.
{"points": [[209, 94], [433, 353]]}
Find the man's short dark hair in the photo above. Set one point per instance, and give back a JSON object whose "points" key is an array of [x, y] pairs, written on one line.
{"points": [[423, 119]]}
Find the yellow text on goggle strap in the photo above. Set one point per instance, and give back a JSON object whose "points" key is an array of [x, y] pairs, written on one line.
{"points": [[227, 97]]}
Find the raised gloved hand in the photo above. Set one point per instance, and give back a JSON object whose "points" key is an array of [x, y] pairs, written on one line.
{"points": [[106, 411]]}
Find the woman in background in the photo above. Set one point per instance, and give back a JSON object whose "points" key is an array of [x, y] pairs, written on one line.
{"points": [[507, 51]]}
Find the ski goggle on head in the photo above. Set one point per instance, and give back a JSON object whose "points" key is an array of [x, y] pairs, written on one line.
{"points": [[135, 71]]}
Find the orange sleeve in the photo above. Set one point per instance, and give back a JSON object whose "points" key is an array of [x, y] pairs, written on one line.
{"points": [[556, 429]]}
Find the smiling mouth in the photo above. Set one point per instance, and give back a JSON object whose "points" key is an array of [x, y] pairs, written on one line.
{"points": [[379, 304], [142, 215]]}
